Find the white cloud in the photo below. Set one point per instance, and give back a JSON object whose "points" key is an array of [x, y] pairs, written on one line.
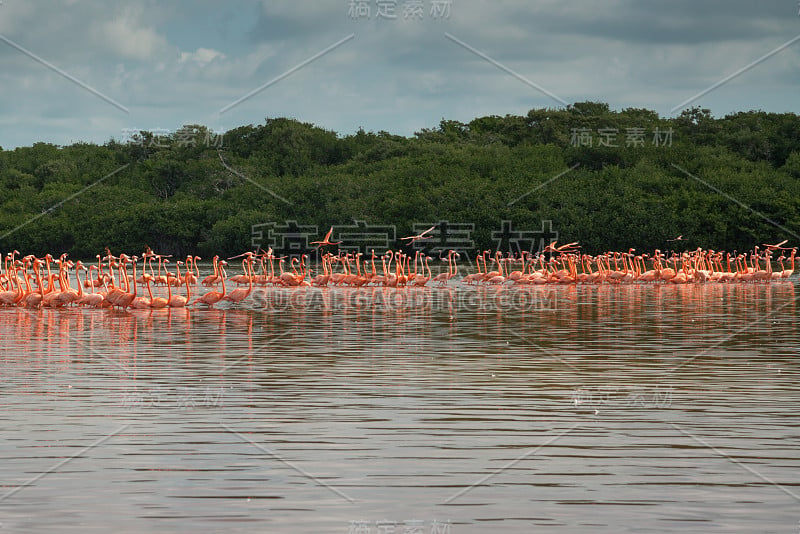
{"points": [[127, 36], [201, 56], [170, 65]]}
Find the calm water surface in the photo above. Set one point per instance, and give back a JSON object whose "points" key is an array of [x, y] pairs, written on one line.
{"points": [[555, 409]]}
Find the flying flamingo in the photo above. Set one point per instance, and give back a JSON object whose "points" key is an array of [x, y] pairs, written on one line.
{"points": [[326, 240], [420, 236], [777, 246], [569, 247]]}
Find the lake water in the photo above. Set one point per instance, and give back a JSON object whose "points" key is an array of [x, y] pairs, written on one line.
{"points": [[463, 410]]}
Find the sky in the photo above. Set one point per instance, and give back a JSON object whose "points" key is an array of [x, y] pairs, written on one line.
{"points": [[92, 70]]}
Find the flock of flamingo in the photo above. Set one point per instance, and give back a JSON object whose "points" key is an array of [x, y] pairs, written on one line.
{"points": [[34, 282]]}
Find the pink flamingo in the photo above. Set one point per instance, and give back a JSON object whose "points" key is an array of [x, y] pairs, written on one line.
{"points": [[212, 297]]}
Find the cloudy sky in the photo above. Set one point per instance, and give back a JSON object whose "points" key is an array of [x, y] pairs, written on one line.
{"points": [[92, 70]]}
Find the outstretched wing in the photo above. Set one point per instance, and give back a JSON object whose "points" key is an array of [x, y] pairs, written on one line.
{"points": [[326, 240], [568, 246], [777, 245], [420, 235], [551, 247]]}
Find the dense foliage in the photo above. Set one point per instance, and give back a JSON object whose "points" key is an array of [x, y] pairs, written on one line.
{"points": [[723, 183]]}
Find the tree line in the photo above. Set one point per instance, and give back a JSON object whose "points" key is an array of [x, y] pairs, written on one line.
{"points": [[608, 179]]}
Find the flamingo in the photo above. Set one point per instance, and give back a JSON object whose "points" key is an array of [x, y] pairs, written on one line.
{"points": [[11, 298], [190, 276], [179, 301], [498, 278], [564, 266], [34, 299], [124, 301], [389, 278], [420, 236], [212, 297], [517, 276], [326, 240], [247, 276], [474, 278], [212, 279], [92, 299], [788, 272], [68, 295], [158, 302], [239, 294], [420, 279], [321, 280], [777, 246], [443, 278], [53, 298]]}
